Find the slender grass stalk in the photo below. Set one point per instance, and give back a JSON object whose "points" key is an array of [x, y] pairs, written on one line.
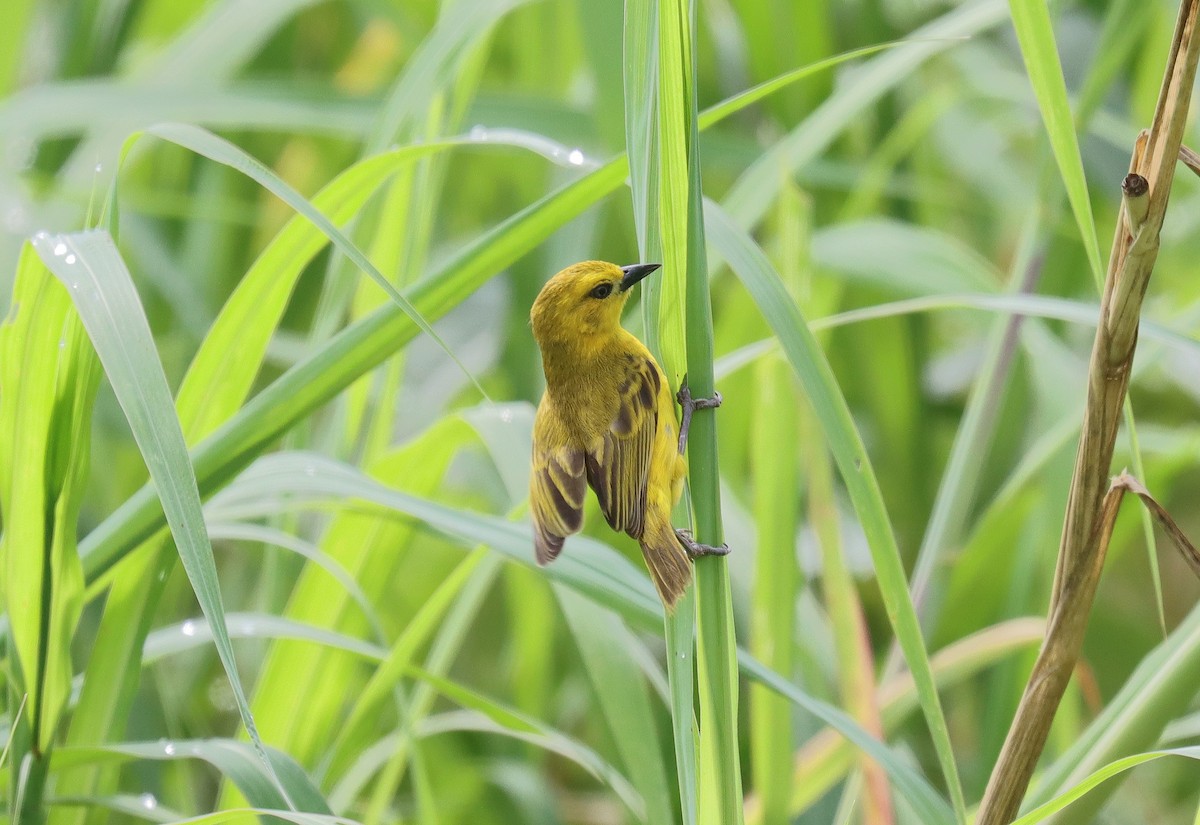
{"points": [[774, 444], [1081, 552], [716, 659]]}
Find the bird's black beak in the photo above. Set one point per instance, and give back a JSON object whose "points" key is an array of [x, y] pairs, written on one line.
{"points": [[635, 273]]}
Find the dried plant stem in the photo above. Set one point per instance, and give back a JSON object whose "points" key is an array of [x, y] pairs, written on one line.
{"points": [[1084, 539]]}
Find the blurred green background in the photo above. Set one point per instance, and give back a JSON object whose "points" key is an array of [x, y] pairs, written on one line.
{"points": [[914, 184]]}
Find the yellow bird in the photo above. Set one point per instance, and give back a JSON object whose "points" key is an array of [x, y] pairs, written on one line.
{"points": [[607, 420]]}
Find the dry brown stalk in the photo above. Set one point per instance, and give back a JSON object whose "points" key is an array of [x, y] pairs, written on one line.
{"points": [[1084, 538]]}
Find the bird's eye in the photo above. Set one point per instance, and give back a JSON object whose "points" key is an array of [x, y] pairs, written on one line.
{"points": [[602, 291]]}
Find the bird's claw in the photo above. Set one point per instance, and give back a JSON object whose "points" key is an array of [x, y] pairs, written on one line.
{"points": [[684, 397], [689, 405], [695, 549]]}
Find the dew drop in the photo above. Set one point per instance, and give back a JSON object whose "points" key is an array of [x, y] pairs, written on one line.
{"points": [[506, 416], [60, 249], [575, 158], [99, 168], [169, 749], [148, 801], [62, 343], [478, 133], [188, 628], [70, 259]]}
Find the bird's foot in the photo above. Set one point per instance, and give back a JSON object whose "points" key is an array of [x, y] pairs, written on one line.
{"points": [[689, 405], [695, 549]]}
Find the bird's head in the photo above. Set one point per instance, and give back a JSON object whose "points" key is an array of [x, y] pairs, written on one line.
{"points": [[584, 301]]}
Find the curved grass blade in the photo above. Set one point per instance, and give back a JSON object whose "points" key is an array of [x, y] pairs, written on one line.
{"points": [[595, 570], [1031, 19], [235, 760], [1033, 306], [605, 644], [191, 634], [143, 806], [804, 353], [396, 661], [1043, 812], [261, 534], [930, 807], [1160, 689], [515, 723], [90, 267], [205, 143]]}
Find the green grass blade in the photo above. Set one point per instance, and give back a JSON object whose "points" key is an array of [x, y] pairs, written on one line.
{"points": [[1031, 19], [521, 725], [760, 279], [685, 337], [925, 801], [69, 107], [215, 148], [1154, 694], [235, 760], [605, 645], [641, 69], [1101, 775], [49, 377], [775, 442], [90, 267], [140, 807], [378, 689]]}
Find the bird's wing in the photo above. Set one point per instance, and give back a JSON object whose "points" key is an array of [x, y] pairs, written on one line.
{"points": [[556, 497], [619, 462]]}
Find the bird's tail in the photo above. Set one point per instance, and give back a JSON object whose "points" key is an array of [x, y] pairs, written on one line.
{"points": [[669, 564]]}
